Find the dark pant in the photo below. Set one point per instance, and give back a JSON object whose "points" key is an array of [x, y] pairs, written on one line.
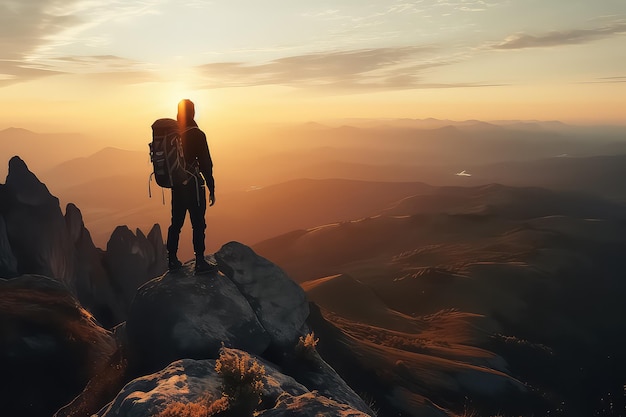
{"points": [[193, 199]]}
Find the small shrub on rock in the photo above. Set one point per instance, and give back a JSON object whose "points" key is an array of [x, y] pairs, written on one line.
{"points": [[306, 346], [242, 382]]}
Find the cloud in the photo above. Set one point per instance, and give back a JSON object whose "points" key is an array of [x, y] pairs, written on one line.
{"points": [[607, 80], [362, 69], [24, 26], [463, 174], [559, 38], [12, 72], [611, 80], [31, 29]]}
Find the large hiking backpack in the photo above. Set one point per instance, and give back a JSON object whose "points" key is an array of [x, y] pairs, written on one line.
{"points": [[166, 155]]}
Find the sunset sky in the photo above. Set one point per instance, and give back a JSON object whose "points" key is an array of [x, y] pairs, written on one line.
{"points": [[115, 65]]}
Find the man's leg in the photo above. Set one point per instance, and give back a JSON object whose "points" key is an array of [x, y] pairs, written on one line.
{"points": [[179, 210], [197, 212]]}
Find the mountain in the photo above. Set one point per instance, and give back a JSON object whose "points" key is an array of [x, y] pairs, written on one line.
{"points": [[247, 216], [601, 175], [103, 164], [426, 301], [527, 280], [42, 151]]}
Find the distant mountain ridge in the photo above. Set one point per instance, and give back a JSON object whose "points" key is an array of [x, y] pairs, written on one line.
{"points": [[42, 151]]}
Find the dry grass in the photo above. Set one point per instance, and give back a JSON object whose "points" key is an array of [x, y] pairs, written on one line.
{"points": [[306, 346], [242, 387]]}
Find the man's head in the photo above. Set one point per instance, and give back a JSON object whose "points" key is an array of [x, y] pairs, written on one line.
{"points": [[186, 112]]}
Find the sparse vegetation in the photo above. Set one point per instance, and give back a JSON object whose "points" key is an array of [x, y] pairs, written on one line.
{"points": [[179, 409], [242, 381], [306, 346], [242, 386]]}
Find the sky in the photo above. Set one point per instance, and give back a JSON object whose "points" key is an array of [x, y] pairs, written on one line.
{"points": [[113, 66]]}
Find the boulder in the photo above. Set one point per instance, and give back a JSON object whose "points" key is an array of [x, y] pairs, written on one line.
{"points": [[279, 303], [185, 380], [184, 315], [50, 347], [190, 381]]}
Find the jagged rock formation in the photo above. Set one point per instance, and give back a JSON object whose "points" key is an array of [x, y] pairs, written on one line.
{"points": [[180, 323], [131, 259], [36, 238], [50, 346], [35, 226]]}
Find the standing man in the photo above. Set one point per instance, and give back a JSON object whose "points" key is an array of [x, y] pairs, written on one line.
{"points": [[191, 196]]}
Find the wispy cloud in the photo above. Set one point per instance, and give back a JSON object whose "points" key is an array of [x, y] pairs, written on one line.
{"points": [[362, 69], [467, 5], [30, 31], [608, 80], [96, 63], [24, 26], [559, 38]]}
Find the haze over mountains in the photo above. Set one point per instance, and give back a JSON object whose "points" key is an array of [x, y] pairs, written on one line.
{"points": [[111, 185], [453, 267]]}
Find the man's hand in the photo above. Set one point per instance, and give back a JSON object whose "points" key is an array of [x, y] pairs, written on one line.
{"points": [[211, 199]]}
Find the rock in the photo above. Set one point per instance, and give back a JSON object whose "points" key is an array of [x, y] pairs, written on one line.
{"points": [[8, 263], [183, 315], [50, 345], [35, 226], [317, 375], [130, 261], [186, 380], [93, 286], [26, 187], [310, 405], [279, 303], [36, 238], [193, 381], [159, 265]]}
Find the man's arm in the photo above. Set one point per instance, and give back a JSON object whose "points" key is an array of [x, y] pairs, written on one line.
{"points": [[206, 164]]}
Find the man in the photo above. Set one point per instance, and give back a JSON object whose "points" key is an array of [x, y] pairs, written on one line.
{"points": [[191, 196]]}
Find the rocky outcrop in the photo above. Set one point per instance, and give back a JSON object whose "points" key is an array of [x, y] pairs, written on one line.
{"points": [[182, 316], [251, 305], [279, 303], [35, 226], [198, 382], [55, 351], [130, 260], [190, 316], [50, 346], [93, 286], [36, 238], [8, 263]]}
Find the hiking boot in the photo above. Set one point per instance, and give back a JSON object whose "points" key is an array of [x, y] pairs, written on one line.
{"points": [[202, 266], [173, 264]]}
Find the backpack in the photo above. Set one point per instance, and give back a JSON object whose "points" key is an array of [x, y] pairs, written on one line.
{"points": [[166, 154]]}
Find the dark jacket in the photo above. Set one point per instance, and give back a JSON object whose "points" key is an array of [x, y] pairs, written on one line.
{"points": [[196, 151]]}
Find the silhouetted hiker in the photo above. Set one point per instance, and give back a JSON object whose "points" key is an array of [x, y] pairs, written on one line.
{"points": [[191, 196]]}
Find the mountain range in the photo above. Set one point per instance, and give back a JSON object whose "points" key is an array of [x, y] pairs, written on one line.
{"points": [[495, 292]]}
